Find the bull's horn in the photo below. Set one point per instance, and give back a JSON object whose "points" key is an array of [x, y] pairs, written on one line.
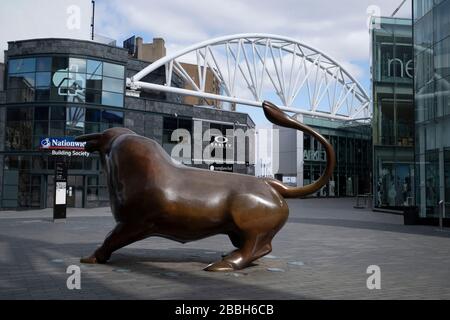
{"points": [[88, 137]]}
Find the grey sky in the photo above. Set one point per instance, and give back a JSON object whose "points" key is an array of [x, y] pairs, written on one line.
{"points": [[26, 19], [338, 28], [335, 27]]}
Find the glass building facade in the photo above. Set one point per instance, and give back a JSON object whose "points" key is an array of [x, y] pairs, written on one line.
{"points": [[393, 112], [56, 96], [431, 30], [352, 145], [65, 79], [301, 159], [63, 88]]}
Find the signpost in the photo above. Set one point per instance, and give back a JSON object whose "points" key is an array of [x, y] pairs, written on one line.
{"points": [[63, 148], [60, 199]]}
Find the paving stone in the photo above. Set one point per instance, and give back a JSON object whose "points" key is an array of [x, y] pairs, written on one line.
{"points": [[324, 250]]}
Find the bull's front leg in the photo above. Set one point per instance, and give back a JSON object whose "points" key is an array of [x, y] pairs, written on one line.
{"points": [[122, 235]]}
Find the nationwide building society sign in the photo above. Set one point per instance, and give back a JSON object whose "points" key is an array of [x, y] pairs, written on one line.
{"points": [[65, 146]]}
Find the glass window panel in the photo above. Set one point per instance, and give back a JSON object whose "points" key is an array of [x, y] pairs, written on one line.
{"points": [[114, 85], [107, 125], [91, 163], [43, 79], [112, 99], [387, 123], [18, 135], [94, 82], [10, 203], [92, 181], [95, 67], [77, 65], [22, 65], [44, 64], [56, 128], [421, 7], [37, 141], [20, 95], [42, 94], [56, 95], [40, 128], [58, 113], [442, 95], [423, 32], [61, 81], [75, 118], [39, 163], [113, 70], [92, 127], [77, 88], [19, 114], [92, 194], [442, 21], [112, 116], [442, 58], [170, 123], [405, 123], [93, 96], [185, 124], [93, 115], [60, 64], [75, 164], [41, 113], [167, 141], [21, 81]]}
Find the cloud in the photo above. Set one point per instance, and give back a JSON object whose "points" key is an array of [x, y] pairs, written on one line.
{"points": [[337, 28], [22, 19]]}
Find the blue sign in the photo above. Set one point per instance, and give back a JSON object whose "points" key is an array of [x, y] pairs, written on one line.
{"points": [[64, 143]]}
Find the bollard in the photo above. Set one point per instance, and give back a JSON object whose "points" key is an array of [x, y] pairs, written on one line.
{"points": [[441, 213]]}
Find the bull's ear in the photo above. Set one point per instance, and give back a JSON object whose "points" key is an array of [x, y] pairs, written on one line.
{"points": [[88, 137]]}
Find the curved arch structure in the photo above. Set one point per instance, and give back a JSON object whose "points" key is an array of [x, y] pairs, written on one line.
{"points": [[253, 67]]}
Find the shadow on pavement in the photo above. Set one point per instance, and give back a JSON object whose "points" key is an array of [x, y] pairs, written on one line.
{"points": [[29, 273]]}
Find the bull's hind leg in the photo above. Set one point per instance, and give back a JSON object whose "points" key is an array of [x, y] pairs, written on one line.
{"points": [[122, 235], [253, 247]]}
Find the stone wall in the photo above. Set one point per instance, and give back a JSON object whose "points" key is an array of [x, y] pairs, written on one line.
{"points": [[67, 46]]}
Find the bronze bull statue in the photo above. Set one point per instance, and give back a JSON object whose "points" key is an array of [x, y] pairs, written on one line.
{"points": [[151, 195]]}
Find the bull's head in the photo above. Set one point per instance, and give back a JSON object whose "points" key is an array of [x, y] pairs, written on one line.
{"points": [[102, 141]]}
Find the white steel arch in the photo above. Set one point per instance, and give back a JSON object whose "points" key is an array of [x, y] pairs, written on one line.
{"points": [[248, 66]]}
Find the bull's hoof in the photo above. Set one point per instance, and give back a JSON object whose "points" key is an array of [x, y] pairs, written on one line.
{"points": [[89, 260], [220, 266]]}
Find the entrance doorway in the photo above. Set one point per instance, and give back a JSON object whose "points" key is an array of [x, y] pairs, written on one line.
{"points": [[75, 191]]}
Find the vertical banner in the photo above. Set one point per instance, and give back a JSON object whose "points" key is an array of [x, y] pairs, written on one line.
{"points": [[60, 201]]}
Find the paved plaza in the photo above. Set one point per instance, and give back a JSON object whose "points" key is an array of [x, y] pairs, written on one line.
{"points": [[323, 252]]}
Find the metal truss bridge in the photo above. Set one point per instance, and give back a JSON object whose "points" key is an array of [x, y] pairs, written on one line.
{"points": [[255, 67]]}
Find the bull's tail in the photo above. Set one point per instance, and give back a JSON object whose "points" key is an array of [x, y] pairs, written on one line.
{"points": [[278, 117]]}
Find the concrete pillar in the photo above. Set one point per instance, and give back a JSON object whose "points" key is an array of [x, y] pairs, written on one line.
{"points": [[139, 44], [159, 48]]}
